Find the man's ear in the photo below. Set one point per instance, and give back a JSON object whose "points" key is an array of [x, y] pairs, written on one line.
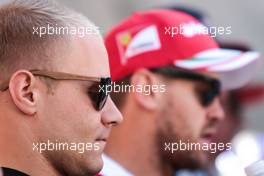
{"points": [[22, 90], [150, 96]]}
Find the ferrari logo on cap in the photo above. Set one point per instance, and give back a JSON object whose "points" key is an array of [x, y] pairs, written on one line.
{"points": [[138, 41]]}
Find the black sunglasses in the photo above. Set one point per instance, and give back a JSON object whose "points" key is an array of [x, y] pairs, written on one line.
{"points": [[97, 96], [206, 96]]}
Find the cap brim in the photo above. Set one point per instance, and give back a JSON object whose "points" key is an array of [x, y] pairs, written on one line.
{"points": [[235, 68]]}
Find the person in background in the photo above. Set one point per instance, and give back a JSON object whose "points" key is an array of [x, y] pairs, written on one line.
{"points": [[192, 69], [233, 101]]}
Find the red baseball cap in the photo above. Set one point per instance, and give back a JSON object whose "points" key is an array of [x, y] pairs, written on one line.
{"points": [[157, 38]]}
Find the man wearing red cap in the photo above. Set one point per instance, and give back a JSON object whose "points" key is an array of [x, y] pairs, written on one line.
{"points": [[172, 49]]}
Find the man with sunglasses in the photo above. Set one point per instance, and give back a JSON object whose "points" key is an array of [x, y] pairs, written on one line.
{"points": [[151, 48], [53, 118]]}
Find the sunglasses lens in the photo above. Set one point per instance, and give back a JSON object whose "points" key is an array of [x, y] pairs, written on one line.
{"points": [[94, 95], [105, 82], [98, 93], [206, 93], [208, 96], [102, 101]]}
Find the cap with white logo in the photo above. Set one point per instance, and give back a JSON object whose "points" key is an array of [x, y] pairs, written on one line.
{"points": [[156, 38]]}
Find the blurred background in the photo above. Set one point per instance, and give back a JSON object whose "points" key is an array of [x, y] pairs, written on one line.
{"points": [[245, 18], [247, 25]]}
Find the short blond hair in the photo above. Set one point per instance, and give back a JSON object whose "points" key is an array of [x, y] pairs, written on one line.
{"points": [[19, 48]]}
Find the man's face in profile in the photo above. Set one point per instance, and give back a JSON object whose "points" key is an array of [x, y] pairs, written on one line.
{"points": [[67, 114], [184, 119]]}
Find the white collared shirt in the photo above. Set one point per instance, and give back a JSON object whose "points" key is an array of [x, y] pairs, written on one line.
{"points": [[112, 168]]}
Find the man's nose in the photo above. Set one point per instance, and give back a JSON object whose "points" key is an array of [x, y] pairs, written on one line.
{"points": [[216, 111], [111, 115]]}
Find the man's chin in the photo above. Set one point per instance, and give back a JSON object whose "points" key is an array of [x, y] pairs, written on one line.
{"points": [[191, 160], [97, 165], [91, 165]]}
